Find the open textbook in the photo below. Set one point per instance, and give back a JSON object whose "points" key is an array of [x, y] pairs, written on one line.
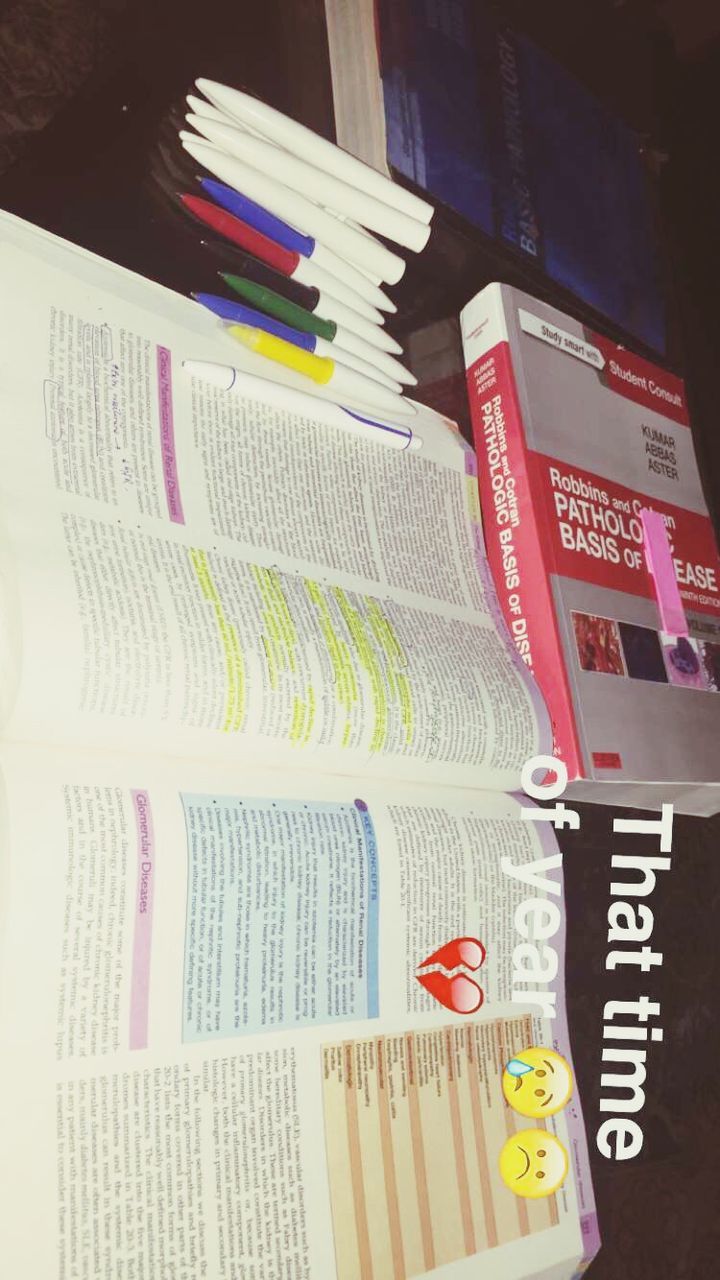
{"points": [[260, 729]]}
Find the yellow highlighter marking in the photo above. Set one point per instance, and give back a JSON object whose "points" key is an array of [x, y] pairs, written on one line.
{"points": [[355, 626], [473, 498], [346, 690], [373, 646], [235, 704], [281, 633]]}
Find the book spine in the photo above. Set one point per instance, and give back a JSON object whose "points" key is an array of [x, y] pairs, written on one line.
{"points": [[511, 522]]}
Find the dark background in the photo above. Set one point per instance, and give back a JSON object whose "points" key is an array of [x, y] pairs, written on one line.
{"points": [[87, 94]]}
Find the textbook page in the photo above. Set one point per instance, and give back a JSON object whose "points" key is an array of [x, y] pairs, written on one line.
{"points": [[208, 991], [232, 574]]}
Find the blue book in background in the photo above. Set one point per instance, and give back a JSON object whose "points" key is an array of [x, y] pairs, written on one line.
{"points": [[490, 125]]}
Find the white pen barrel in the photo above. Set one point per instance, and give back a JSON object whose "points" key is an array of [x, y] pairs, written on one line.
{"points": [[329, 308], [321, 187], [200, 107], [361, 231], [346, 383], [294, 208], [325, 258], [310, 146], [355, 417], [346, 340], [309, 273], [350, 361], [321, 256], [220, 375], [359, 421], [354, 276]]}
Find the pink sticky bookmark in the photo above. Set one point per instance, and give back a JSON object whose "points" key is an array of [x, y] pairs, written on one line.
{"points": [[660, 564]]}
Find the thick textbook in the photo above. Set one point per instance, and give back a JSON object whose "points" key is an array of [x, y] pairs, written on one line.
{"points": [[483, 120], [576, 436], [260, 731]]}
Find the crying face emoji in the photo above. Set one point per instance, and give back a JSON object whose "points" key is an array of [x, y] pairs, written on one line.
{"points": [[537, 1083], [533, 1163]]}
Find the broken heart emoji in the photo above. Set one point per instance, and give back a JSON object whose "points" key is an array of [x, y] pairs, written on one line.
{"points": [[455, 991]]}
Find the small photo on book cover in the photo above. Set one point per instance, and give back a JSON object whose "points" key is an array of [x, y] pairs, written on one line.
{"points": [[643, 653], [682, 659], [710, 654], [598, 644]]}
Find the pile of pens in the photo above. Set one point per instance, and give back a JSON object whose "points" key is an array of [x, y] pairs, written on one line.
{"points": [[307, 210]]}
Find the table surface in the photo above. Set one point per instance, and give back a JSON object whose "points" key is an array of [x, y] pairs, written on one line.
{"points": [[113, 71]]}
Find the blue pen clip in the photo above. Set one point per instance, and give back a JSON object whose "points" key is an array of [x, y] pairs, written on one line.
{"points": [[516, 1067], [258, 218]]}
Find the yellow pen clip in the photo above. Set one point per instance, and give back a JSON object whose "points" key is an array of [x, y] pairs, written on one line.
{"points": [[319, 368]]}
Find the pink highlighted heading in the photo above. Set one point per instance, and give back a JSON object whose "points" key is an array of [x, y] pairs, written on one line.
{"points": [[142, 942], [660, 563], [167, 436]]}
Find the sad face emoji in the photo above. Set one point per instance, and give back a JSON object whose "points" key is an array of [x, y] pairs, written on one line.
{"points": [[537, 1083], [533, 1163]]}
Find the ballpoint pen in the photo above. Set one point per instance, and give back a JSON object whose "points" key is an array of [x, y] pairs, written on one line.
{"points": [[200, 107], [310, 299], [343, 383], [276, 229], [237, 313], [361, 249], [285, 260], [394, 435], [295, 137], [298, 317], [316, 184]]}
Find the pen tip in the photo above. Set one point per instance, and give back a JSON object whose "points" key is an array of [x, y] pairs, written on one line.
{"points": [[190, 140]]}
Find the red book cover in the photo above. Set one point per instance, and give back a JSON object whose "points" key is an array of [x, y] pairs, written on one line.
{"points": [[575, 436]]}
